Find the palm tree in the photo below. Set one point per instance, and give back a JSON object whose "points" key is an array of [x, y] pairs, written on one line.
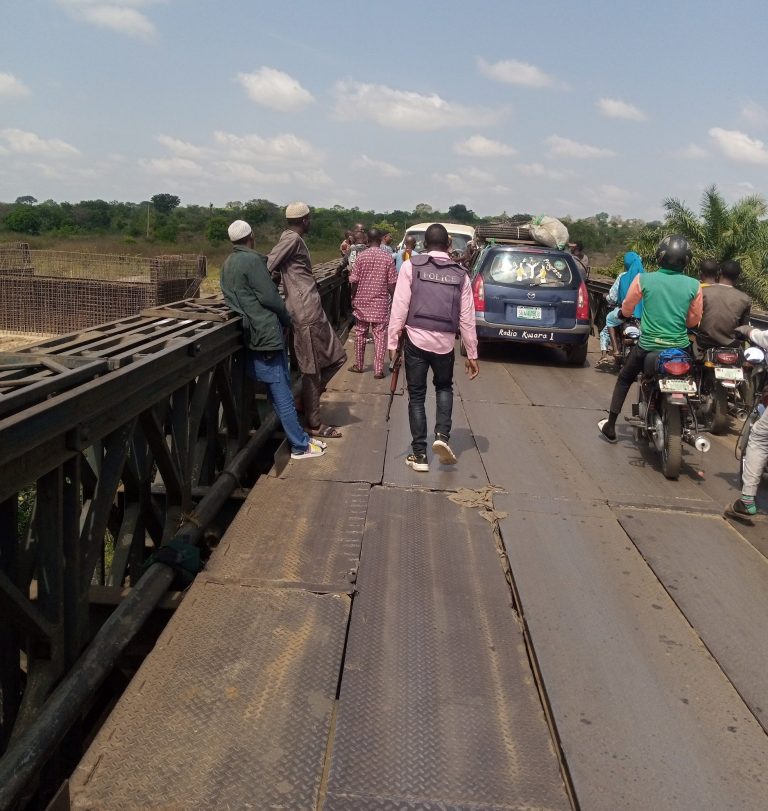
{"points": [[722, 232]]}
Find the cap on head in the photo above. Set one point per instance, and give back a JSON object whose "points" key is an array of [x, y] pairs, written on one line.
{"points": [[296, 211], [238, 230]]}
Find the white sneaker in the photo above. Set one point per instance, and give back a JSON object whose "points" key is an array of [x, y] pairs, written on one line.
{"points": [[443, 451], [314, 450], [418, 461]]}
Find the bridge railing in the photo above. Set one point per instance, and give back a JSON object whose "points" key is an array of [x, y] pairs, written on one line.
{"points": [[112, 440]]}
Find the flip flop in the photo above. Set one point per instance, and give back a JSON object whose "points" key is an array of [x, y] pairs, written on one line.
{"points": [[602, 434], [356, 369], [730, 512], [325, 432]]}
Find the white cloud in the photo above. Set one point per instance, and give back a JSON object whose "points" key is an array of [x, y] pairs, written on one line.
{"points": [[285, 148], [565, 147], [234, 170], [754, 114], [314, 178], [182, 149], [10, 86], [467, 181], [614, 108], [738, 146], [539, 170], [117, 15], [481, 147], [510, 71], [275, 89], [380, 167], [404, 109], [29, 143], [172, 167], [693, 152]]}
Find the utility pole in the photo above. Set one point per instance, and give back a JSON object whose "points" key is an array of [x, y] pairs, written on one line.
{"points": [[147, 219]]}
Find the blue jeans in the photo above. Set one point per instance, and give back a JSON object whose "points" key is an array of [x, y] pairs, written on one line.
{"points": [[611, 320], [271, 368], [417, 363]]}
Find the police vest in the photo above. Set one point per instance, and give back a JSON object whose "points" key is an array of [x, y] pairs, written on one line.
{"points": [[435, 293]]}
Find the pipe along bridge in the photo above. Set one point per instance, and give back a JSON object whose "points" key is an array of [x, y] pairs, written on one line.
{"points": [[548, 624]]}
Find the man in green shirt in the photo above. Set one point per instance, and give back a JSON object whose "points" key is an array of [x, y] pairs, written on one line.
{"points": [[672, 302], [249, 290]]}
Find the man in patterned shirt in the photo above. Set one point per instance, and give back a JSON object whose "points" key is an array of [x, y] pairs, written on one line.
{"points": [[373, 280]]}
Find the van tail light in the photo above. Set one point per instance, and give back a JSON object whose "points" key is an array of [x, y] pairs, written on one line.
{"points": [[677, 367], [582, 303], [478, 293]]}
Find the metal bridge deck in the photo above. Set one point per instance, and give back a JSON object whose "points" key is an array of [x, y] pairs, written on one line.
{"points": [[619, 664]]}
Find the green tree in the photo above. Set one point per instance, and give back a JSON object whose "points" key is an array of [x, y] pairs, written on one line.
{"points": [[165, 203], [24, 219], [422, 210], [26, 200], [460, 213], [216, 232], [722, 232]]}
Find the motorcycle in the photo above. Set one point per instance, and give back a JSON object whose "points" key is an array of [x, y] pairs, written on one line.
{"points": [[756, 366], [720, 378], [663, 415], [630, 336]]}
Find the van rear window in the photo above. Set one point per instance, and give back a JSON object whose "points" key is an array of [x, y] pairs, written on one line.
{"points": [[528, 270]]}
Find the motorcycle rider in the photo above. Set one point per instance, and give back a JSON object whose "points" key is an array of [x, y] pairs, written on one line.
{"points": [[633, 265], [672, 302], [756, 453], [725, 308]]}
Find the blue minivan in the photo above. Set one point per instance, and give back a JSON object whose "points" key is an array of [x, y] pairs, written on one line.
{"points": [[531, 294]]}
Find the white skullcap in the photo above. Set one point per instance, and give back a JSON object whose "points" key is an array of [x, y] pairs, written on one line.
{"points": [[238, 230], [295, 211]]}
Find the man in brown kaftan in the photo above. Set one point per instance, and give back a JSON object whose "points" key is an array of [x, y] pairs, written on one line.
{"points": [[319, 352]]}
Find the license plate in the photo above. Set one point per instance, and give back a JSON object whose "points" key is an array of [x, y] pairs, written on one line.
{"points": [[671, 385], [533, 313], [728, 373]]}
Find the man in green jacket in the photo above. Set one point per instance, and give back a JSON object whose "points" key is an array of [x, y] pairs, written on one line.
{"points": [[249, 290], [672, 302]]}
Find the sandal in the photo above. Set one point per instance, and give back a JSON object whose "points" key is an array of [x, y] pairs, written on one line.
{"points": [[325, 432], [356, 369]]}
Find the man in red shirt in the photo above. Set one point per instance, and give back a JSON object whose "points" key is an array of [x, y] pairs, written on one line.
{"points": [[373, 279]]}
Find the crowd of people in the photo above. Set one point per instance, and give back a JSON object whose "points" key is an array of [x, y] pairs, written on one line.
{"points": [[415, 304], [412, 304]]}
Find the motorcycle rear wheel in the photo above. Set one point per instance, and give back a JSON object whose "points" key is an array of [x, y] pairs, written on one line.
{"points": [[672, 451], [719, 411]]}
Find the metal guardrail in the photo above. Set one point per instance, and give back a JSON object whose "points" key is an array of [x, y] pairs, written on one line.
{"points": [[115, 438], [598, 287]]}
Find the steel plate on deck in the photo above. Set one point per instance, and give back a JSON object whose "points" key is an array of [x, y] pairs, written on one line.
{"points": [[364, 383], [495, 384], [358, 456], [646, 718], [523, 454], [720, 582], [469, 472], [438, 707], [271, 542], [231, 710]]}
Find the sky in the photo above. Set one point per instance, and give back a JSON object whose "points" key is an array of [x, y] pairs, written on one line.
{"points": [[551, 107]]}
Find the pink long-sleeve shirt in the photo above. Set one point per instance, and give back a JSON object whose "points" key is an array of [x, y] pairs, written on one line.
{"points": [[440, 343]]}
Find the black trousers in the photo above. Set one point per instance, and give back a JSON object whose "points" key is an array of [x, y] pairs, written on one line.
{"points": [[632, 367]]}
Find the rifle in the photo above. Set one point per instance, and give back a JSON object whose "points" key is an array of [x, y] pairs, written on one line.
{"points": [[395, 370]]}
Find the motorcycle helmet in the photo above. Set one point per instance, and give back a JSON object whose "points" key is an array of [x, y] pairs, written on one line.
{"points": [[754, 355], [674, 253]]}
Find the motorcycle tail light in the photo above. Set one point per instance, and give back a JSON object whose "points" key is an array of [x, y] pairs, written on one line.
{"points": [[478, 293], [582, 303], [727, 358], [677, 367]]}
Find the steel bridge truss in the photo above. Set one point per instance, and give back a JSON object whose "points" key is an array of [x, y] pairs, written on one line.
{"points": [[109, 438]]}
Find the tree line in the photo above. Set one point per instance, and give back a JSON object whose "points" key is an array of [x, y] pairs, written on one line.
{"points": [[162, 218]]}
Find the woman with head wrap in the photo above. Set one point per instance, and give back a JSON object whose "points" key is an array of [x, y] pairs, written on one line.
{"points": [[633, 265]]}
